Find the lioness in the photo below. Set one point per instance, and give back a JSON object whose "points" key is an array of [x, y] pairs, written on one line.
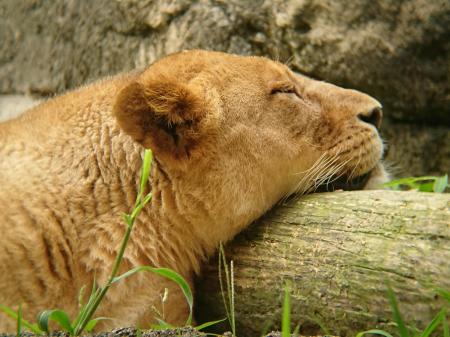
{"points": [[231, 136]]}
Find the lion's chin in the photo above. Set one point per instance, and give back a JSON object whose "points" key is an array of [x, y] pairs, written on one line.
{"points": [[378, 176], [371, 180]]}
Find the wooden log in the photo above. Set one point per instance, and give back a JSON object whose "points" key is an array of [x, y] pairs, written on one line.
{"points": [[340, 250]]}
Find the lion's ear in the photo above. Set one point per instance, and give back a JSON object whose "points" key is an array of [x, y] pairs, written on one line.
{"points": [[163, 115]]}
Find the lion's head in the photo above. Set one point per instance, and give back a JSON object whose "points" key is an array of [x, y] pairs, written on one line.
{"points": [[243, 132]]}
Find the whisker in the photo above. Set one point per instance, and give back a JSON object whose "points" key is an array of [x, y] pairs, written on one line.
{"points": [[309, 173], [324, 170], [350, 177], [289, 61], [312, 167], [330, 174], [303, 183], [306, 173], [308, 182]]}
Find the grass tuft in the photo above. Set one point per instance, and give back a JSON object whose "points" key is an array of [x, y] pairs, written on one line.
{"points": [[23, 322], [228, 300], [286, 311], [422, 184], [401, 326], [402, 330], [19, 321]]}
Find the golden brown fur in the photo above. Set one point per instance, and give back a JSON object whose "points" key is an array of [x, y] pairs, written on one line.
{"points": [[231, 136]]}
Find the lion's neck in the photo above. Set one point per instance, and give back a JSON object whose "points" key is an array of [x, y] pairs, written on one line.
{"points": [[195, 212], [168, 232]]}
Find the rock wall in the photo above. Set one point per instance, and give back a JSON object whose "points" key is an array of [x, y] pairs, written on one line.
{"points": [[397, 51]]}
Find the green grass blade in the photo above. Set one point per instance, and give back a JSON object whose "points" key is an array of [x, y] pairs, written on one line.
{"points": [[169, 274], [208, 324], [81, 296], [146, 166], [286, 315], [185, 288], [232, 307], [423, 184], [409, 181], [320, 323], [443, 293], [11, 313], [434, 323], [147, 198], [440, 184], [296, 332], [136, 212], [228, 300], [58, 316], [43, 319], [223, 264], [81, 307], [445, 329], [81, 316], [19, 321], [402, 329], [162, 325], [375, 332], [426, 187], [126, 218], [93, 322], [265, 329]]}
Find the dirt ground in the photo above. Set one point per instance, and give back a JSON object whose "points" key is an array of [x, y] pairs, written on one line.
{"points": [[132, 332]]}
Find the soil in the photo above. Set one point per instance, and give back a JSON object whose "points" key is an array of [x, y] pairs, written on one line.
{"points": [[131, 332], [126, 332]]}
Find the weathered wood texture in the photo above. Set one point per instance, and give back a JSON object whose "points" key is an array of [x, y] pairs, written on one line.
{"points": [[339, 249]]}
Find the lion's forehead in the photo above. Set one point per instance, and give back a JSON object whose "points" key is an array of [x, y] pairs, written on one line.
{"points": [[190, 64]]}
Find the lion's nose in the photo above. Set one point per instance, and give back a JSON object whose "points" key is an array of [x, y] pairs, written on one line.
{"points": [[372, 116]]}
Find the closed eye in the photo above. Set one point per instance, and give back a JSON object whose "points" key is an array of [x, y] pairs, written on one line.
{"points": [[284, 88]]}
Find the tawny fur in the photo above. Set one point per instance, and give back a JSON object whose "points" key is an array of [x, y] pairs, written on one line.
{"points": [[231, 136]]}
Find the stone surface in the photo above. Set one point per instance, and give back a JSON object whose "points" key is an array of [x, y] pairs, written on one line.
{"points": [[398, 51], [13, 105], [416, 149]]}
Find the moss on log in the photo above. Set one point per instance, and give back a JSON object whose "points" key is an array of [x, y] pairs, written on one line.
{"points": [[340, 250]]}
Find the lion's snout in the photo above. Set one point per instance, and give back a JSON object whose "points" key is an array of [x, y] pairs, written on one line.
{"points": [[372, 116]]}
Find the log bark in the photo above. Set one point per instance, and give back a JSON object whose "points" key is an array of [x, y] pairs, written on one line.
{"points": [[340, 250]]}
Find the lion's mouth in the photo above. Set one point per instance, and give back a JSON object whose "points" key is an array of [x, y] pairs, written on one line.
{"points": [[344, 183]]}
